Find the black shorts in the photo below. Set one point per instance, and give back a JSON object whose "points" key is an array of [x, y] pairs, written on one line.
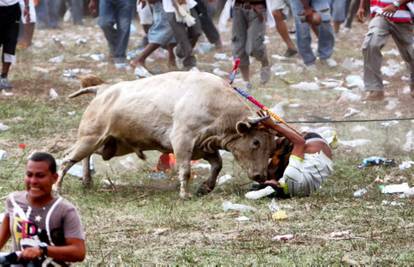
{"points": [[9, 25]]}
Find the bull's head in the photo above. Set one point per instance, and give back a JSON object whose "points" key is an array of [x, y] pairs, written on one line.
{"points": [[252, 149]]}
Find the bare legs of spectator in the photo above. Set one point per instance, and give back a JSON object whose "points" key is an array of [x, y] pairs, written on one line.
{"points": [[26, 39], [148, 50], [282, 29]]}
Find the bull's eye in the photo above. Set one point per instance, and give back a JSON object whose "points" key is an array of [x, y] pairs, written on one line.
{"points": [[256, 143]]}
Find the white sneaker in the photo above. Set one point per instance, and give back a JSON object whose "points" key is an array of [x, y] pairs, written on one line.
{"points": [[122, 66], [268, 190], [330, 62], [195, 69], [141, 72]]}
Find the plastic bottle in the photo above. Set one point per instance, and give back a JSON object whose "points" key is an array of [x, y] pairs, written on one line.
{"points": [[360, 192]]}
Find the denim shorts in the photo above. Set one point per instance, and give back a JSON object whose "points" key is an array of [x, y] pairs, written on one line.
{"points": [[160, 32]]}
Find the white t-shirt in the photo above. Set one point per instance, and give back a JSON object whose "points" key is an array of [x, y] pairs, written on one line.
{"points": [[8, 2], [169, 7]]}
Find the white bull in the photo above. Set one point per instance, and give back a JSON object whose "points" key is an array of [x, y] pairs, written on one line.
{"points": [[191, 114]]}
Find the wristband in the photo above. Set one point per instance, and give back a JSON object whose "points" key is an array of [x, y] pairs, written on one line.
{"points": [[43, 247], [396, 3]]}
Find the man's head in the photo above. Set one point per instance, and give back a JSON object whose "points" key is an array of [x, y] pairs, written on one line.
{"points": [[40, 176]]}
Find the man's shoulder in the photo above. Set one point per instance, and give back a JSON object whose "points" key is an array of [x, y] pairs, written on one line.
{"points": [[17, 196], [66, 205]]}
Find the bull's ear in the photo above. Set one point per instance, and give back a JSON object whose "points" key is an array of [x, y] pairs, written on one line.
{"points": [[243, 127]]}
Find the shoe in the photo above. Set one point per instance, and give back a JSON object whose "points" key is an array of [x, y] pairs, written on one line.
{"points": [[247, 85], [330, 62], [5, 84], [122, 66], [290, 52], [268, 190], [311, 67], [265, 75], [195, 69], [374, 96], [141, 72]]}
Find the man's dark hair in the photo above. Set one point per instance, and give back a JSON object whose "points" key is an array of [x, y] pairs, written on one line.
{"points": [[46, 157]]}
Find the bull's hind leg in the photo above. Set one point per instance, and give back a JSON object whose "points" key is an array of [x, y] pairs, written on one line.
{"points": [[216, 165], [183, 152], [84, 147]]}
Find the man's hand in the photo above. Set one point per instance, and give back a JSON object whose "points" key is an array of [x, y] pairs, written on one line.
{"points": [[31, 253], [308, 13], [93, 7], [389, 11], [266, 119], [361, 14], [181, 2], [26, 13]]}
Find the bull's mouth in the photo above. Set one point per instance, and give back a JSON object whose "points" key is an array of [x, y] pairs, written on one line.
{"points": [[258, 178]]}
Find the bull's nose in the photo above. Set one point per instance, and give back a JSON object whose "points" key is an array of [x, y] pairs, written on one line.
{"points": [[258, 178]]}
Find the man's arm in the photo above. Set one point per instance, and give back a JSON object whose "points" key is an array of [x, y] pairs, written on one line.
{"points": [[73, 251], [389, 10], [93, 7], [297, 139], [4, 230], [361, 10]]}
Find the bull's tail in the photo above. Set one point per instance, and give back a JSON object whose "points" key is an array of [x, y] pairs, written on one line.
{"points": [[90, 84]]}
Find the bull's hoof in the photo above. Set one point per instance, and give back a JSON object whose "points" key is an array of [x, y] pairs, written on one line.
{"points": [[204, 189], [185, 195], [87, 183]]}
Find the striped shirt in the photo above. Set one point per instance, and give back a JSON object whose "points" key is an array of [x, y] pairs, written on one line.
{"points": [[403, 14]]}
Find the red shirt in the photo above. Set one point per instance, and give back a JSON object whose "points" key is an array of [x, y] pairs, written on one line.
{"points": [[403, 14]]}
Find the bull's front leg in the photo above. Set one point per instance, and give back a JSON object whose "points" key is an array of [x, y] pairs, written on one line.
{"points": [[182, 146], [216, 165], [184, 172], [86, 170]]}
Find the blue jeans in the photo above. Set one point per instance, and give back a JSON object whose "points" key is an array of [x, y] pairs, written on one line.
{"points": [[47, 13], [326, 39], [119, 13], [338, 8]]}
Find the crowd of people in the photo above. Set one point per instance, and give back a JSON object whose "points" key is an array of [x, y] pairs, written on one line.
{"points": [[176, 25]]}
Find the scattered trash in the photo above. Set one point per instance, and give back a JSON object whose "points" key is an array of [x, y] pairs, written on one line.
{"points": [[97, 57], [389, 123], [77, 169], [354, 81], [375, 161], [224, 179], [221, 56], [351, 112], [392, 203], [278, 70], [3, 154], [128, 163], [306, 86], [359, 128], [278, 108], [73, 73], [409, 193], [71, 113], [273, 206], [391, 69], [348, 96], [57, 60], [3, 127], [242, 219], [204, 47], [41, 70], [391, 52], [160, 231], [257, 194], [81, 41], [360, 192], [282, 237], [392, 103], [220, 72], [157, 176], [405, 165], [352, 63], [395, 188], [340, 234], [202, 166], [279, 215], [331, 83], [53, 94], [227, 205], [355, 143], [409, 143], [279, 57]]}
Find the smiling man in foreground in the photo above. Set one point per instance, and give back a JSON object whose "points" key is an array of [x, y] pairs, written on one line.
{"points": [[44, 228]]}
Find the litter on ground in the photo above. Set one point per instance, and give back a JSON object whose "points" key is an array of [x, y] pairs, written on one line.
{"points": [[227, 205]]}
